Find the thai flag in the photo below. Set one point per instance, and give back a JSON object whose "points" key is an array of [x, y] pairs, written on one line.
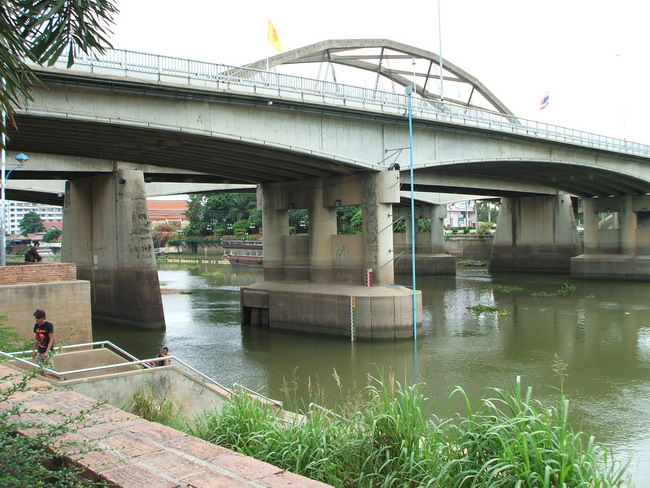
{"points": [[544, 103]]}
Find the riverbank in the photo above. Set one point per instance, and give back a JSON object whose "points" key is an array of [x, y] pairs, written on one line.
{"points": [[109, 446]]}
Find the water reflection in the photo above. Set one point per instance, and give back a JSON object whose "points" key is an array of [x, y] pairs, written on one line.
{"points": [[601, 331]]}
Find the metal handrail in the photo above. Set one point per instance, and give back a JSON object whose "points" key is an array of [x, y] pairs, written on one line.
{"points": [[326, 411], [28, 363], [237, 242], [145, 363], [85, 344], [277, 403], [110, 345], [235, 78]]}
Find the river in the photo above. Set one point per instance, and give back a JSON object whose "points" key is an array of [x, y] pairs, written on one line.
{"points": [[601, 330]]}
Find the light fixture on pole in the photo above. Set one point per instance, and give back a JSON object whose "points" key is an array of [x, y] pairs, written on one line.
{"points": [[22, 159]]}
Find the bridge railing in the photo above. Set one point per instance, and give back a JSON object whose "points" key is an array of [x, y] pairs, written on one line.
{"points": [[268, 83]]}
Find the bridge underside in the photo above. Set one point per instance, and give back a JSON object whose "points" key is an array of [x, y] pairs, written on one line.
{"points": [[203, 157], [175, 133]]}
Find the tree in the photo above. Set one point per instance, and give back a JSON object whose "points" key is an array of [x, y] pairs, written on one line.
{"points": [[39, 31], [299, 221], [31, 223], [208, 213], [52, 235], [487, 211], [205, 212], [240, 206], [348, 219]]}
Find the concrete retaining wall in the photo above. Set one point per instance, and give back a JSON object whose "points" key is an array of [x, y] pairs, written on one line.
{"points": [[118, 389], [477, 247], [67, 304]]}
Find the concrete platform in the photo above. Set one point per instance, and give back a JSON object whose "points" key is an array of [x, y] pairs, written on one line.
{"points": [[624, 267], [351, 311], [427, 264], [131, 452]]}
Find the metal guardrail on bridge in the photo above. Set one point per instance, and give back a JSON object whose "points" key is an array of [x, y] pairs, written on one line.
{"points": [[268, 83]]}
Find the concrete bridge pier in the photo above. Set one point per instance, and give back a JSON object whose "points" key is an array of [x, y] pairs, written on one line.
{"points": [[430, 258], [536, 234], [616, 239], [319, 282], [108, 237]]}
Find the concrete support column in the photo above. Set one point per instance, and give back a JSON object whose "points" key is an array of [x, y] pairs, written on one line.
{"points": [[108, 237], [407, 221], [590, 233], [377, 189], [535, 234], [276, 225], [628, 226], [437, 214], [618, 247], [322, 226]]}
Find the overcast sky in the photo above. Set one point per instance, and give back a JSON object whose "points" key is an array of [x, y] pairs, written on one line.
{"points": [[591, 56]]}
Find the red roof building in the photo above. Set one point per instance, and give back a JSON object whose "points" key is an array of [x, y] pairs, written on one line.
{"points": [[167, 211]]}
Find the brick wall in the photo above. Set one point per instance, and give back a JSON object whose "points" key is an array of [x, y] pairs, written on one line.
{"points": [[37, 273]]}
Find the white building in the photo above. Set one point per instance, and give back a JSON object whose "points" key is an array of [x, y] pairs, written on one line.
{"points": [[461, 214], [17, 210]]}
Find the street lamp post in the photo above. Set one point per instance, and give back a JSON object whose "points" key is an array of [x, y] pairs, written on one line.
{"points": [[4, 176]]}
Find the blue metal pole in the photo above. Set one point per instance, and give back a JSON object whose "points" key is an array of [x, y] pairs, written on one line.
{"points": [[409, 91]]}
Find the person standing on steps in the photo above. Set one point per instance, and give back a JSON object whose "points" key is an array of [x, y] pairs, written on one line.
{"points": [[44, 340]]}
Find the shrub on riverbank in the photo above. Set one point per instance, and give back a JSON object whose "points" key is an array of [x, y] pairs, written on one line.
{"points": [[388, 439]]}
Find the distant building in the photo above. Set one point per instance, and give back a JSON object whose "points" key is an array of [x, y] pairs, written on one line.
{"points": [[52, 216], [49, 225], [17, 210], [167, 211], [461, 214]]}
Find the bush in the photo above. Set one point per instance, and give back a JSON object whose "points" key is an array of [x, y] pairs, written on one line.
{"points": [[27, 461]]}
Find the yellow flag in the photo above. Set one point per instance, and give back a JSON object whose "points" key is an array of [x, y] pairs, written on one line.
{"points": [[273, 37]]}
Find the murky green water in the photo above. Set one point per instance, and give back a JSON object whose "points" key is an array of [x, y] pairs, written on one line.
{"points": [[601, 330]]}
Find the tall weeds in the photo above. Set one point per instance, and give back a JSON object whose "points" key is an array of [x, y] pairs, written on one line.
{"points": [[388, 438]]}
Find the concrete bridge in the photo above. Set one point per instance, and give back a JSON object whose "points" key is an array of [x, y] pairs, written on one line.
{"points": [[110, 124]]}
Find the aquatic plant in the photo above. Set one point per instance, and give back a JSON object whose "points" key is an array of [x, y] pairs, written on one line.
{"points": [[480, 308], [566, 289], [507, 288]]}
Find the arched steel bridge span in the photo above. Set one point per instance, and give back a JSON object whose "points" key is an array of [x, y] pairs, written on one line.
{"points": [[195, 122]]}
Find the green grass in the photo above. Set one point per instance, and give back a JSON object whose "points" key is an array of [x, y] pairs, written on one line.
{"points": [[157, 408], [387, 437]]}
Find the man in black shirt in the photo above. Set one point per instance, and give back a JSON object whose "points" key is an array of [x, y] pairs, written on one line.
{"points": [[32, 256], [44, 340]]}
